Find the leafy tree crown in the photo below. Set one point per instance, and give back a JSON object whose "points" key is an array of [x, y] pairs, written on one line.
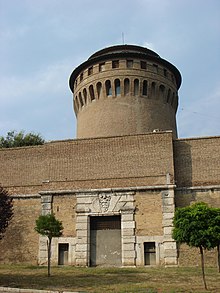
{"points": [[6, 210], [191, 225], [19, 139], [48, 225]]}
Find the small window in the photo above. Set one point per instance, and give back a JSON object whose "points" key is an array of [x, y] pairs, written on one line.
{"points": [[90, 70], [168, 95], [85, 95], [80, 100], [115, 64], [129, 63], [136, 87], [99, 89], [165, 72], [76, 104], [127, 86], [101, 67], [144, 90], [81, 76], [173, 97], [117, 87], [108, 88], [153, 89], [143, 65], [91, 92], [155, 68], [162, 91], [149, 253]]}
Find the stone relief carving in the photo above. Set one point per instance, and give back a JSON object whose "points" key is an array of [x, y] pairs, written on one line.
{"points": [[104, 201]]}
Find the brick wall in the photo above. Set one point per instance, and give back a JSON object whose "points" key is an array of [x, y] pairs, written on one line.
{"points": [[64, 209], [148, 214], [197, 161], [128, 160], [21, 242], [185, 197]]}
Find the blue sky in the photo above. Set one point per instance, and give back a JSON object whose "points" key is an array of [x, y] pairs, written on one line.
{"points": [[42, 41]]}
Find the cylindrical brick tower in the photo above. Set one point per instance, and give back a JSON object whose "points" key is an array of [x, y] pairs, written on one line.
{"points": [[124, 90]]}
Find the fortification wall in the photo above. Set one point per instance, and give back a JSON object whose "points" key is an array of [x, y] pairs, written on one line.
{"points": [[89, 163], [196, 161], [21, 243]]}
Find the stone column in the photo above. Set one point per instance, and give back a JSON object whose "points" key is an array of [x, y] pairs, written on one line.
{"points": [[168, 209], [46, 209], [82, 229], [46, 204], [128, 237]]}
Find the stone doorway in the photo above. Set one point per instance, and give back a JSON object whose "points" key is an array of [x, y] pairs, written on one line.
{"points": [[105, 241], [63, 254]]}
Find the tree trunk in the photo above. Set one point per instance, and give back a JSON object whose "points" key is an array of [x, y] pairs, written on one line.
{"points": [[218, 249], [203, 266], [48, 255]]}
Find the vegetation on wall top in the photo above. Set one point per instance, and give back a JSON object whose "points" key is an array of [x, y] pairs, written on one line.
{"points": [[18, 139]]}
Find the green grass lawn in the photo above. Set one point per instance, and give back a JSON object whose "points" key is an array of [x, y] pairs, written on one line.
{"points": [[148, 280]]}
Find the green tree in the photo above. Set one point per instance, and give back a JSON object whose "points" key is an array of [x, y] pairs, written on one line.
{"points": [[214, 231], [6, 210], [19, 139], [49, 226], [191, 226]]}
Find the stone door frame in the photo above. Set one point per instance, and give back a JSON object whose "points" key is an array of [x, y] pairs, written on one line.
{"points": [[105, 203]]}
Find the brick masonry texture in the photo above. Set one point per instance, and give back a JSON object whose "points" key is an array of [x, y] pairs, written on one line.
{"points": [[86, 163], [20, 243], [148, 214], [124, 161], [196, 161], [64, 209]]}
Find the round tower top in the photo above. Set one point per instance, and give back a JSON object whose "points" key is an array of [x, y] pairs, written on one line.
{"points": [[120, 49], [126, 51]]}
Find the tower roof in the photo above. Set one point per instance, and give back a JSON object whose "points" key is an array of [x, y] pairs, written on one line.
{"points": [[125, 51]]}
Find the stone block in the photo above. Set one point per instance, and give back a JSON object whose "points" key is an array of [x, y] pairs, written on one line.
{"points": [[127, 217], [168, 215], [127, 246], [168, 209], [81, 262], [170, 261], [46, 199], [128, 239], [168, 230], [168, 201], [82, 240], [170, 253], [82, 226], [128, 262], [167, 222], [81, 219], [128, 225], [128, 254], [81, 254], [81, 247], [127, 232], [169, 245], [81, 233]]}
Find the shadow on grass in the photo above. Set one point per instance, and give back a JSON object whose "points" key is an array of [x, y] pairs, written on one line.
{"points": [[148, 280]]}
